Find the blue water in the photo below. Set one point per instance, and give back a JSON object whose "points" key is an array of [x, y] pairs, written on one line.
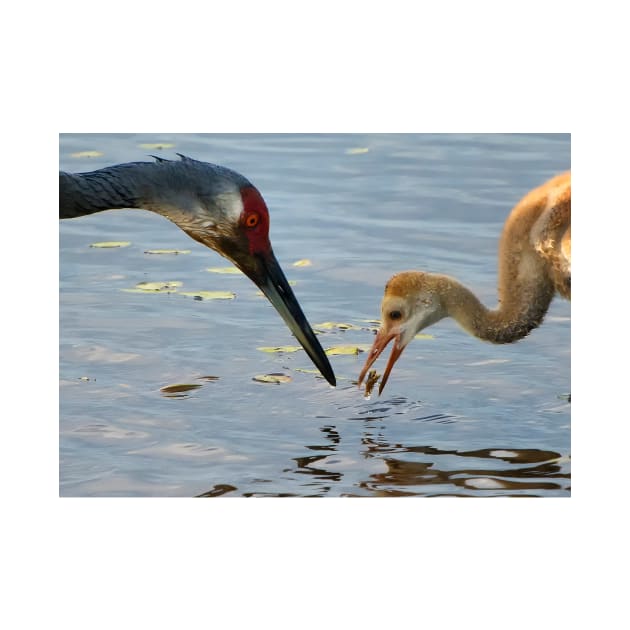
{"points": [[458, 416]]}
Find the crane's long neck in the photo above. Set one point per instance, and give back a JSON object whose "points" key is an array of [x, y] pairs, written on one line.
{"points": [[106, 189], [524, 285], [519, 312], [155, 186]]}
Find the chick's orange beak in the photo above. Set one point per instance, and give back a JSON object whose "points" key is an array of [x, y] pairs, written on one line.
{"points": [[383, 337]]}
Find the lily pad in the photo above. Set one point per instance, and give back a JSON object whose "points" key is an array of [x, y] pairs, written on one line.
{"points": [[111, 244], [224, 270], [207, 378], [156, 145], [177, 388], [167, 251], [424, 336], [86, 154], [357, 150], [155, 287], [335, 350], [272, 349], [304, 262], [272, 378], [210, 295], [339, 325]]}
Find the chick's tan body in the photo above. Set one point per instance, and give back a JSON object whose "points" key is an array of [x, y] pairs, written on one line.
{"points": [[534, 265]]}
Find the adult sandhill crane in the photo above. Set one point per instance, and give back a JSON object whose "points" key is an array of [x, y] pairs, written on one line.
{"points": [[534, 265], [214, 205]]}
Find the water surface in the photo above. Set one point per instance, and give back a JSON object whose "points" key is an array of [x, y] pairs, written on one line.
{"points": [[458, 417]]}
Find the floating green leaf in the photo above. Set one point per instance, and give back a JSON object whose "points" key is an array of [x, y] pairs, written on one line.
{"points": [[272, 378], [304, 262], [207, 378], [86, 154], [335, 350], [339, 325], [223, 270], [111, 244], [155, 287], [356, 150], [423, 336], [156, 145], [167, 251], [210, 295], [179, 387], [272, 349]]}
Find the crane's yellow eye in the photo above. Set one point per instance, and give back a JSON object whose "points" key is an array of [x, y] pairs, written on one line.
{"points": [[251, 221]]}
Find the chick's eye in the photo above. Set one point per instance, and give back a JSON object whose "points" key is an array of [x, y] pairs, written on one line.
{"points": [[252, 219], [395, 315]]}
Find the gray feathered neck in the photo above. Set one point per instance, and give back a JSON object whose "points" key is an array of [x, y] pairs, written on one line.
{"points": [[151, 185]]}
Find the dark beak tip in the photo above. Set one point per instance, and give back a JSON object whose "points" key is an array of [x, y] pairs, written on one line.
{"points": [[275, 286], [328, 374]]}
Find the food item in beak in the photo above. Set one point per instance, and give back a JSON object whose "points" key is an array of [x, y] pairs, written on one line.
{"points": [[372, 379]]}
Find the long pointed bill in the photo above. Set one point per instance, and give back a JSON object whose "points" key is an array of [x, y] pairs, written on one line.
{"points": [[273, 283], [380, 343]]}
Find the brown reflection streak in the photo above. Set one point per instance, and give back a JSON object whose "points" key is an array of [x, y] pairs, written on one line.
{"points": [[304, 464], [218, 490], [524, 472], [304, 467], [412, 473]]}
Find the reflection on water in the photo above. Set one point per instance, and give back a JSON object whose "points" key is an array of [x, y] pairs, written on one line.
{"points": [[425, 471], [461, 418], [529, 473], [219, 490], [414, 470]]}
